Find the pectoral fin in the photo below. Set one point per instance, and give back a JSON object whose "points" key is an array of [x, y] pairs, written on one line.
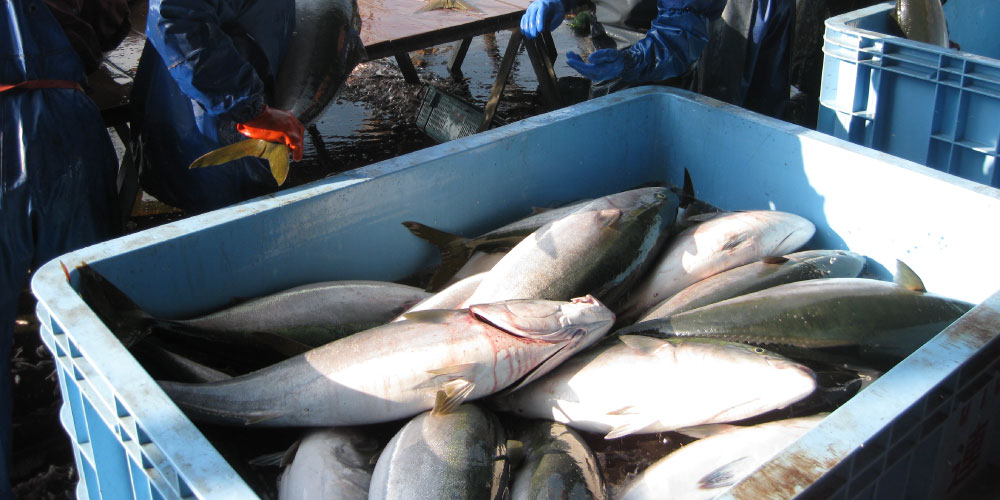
{"points": [[635, 423], [642, 344], [452, 395], [276, 155]]}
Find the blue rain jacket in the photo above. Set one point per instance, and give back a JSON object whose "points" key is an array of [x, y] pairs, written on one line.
{"points": [[57, 170], [674, 41], [207, 66]]}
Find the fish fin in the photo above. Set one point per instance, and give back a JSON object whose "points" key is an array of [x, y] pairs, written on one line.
{"points": [[123, 317], [429, 315], [449, 373], [276, 459], [283, 345], [735, 242], [289, 454], [628, 410], [905, 277], [705, 430], [277, 157], [632, 426], [770, 259], [462, 370], [608, 217], [235, 151], [275, 153], [687, 191], [451, 396], [454, 251], [726, 475], [641, 343], [538, 210]]}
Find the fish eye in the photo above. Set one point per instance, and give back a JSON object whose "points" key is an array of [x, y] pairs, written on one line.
{"points": [[758, 350], [660, 196]]}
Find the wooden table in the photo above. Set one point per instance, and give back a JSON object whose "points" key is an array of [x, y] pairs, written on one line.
{"points": [[394, 28]]}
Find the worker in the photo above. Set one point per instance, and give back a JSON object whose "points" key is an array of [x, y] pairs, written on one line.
{"points": [[204, 80], [57, 163], [642, 41]]}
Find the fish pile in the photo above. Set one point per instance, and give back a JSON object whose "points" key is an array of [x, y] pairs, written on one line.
{"points": [[568, 354]]}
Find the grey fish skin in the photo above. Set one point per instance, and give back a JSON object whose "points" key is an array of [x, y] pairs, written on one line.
{"points": [[557, 464], [457, 250], [457, 455], [451, 297], [396, 370], [313, 314], [610, 388], [881, 316], [922, 20], [323, 51], [706, 468], [600, 249], [748, 278], [726, 241], [329, 464]]}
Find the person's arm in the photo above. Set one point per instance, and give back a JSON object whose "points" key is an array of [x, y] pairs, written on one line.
{"points": [[674, 41], [202, 58]]}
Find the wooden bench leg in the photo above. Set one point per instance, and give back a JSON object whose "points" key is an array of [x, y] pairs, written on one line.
{"points": [[458, 51], [503, 73], [406, 67], [540, 53]]}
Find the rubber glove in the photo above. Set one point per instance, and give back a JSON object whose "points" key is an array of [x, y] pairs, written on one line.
{"points": [[603, 64], [542, 15], [276, 125]]}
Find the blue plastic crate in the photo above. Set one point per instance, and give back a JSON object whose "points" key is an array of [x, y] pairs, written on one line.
{"points": [[938, 107], [131, 441]]}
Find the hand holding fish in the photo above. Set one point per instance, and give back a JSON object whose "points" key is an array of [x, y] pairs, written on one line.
{"points": [[276, 125]]}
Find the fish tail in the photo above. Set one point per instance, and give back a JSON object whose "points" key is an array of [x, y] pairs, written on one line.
{"points": [[454, 252], [129, 322], [276, 155]]}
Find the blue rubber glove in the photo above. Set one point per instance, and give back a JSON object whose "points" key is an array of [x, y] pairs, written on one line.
{"points": [[542, 15], [603, 64]]}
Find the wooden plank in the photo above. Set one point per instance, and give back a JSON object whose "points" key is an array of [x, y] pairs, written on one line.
{"points": [[458, 52], [539, 56], [398, 19], [502, 74]]}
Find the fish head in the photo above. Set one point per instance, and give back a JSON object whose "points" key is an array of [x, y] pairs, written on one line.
{"points": [[571, 325]]}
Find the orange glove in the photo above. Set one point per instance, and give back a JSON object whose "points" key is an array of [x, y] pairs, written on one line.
{"points": [[276, 125]]}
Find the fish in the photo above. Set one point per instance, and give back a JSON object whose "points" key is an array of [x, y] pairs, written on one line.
{"points": [[291, 321], [706, 468], [765, 273], [316, 313], [457, 250], [323, 51], [921, 20], [632, 384], [601, 249], [396, 370], [721, 243], [880, 316], [461, 454], [557, 463], [448, 4], [333, 463]]}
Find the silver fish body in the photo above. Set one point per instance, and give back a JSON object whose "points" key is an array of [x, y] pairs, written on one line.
{"points": [[314, 314], [451, 297], [706, 468], [557, 464], [880, 316], [457, 455], [748, 278], [600, 249], [721, 243], [617, 387], [396, 370], [329, 464]]}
